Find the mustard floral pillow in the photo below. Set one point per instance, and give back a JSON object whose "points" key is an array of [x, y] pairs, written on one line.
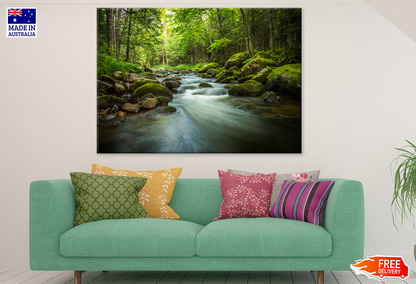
{"points": [[157, 192]]}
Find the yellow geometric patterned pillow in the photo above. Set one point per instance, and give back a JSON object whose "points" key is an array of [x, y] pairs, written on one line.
{"points": [[157, 192]]}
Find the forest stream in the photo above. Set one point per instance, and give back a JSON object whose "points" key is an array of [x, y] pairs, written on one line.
{"points": [[208, 120]]}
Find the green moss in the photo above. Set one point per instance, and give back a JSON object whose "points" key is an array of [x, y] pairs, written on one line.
{"points": [[286, 80], [107, 101], [249, 88], [154, 88], [262, 54], [246, 78], [237, 74], [101, 92], [106, 78], [257, 64], [222, 73], [236, 60], [162, 101], [205, 85], [138, 83], [112, 99], [168, 108], [208, 66], [290, 70]]}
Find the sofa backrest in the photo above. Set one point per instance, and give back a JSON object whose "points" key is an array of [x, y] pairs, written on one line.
{"points": [[197, 200]]}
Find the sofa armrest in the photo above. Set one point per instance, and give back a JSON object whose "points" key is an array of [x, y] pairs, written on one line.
{"points": [[344, 220], [52, 211]]}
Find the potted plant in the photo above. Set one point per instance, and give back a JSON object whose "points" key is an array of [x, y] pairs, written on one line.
{"points": [[404, 195]]}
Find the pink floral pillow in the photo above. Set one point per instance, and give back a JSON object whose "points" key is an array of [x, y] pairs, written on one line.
{"points": [[245, 196]]}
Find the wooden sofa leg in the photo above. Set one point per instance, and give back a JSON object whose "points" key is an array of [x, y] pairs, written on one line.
{"points": [[77, 276], [320, 277]]}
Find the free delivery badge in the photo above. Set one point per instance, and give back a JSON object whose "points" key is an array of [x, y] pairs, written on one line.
{"points": [[21, 22], [381, 266]]}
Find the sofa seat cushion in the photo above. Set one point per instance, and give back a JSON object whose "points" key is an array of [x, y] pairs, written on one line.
{"points": [[263, 237], [144, 237]]}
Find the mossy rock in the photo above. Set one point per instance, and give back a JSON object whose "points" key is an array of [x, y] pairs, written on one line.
{"points": [[234, 68], [108, 101], [205, 85], [213, 72], [238, 74], [220, 74], [236, 60], [107, 79], [226, 80], [206, 76], [208, 66], [143, 98], [105, 86], [162, 101], [270, 97], [138, 83], [154, 88], [161, 111], [261, 76], [249, 88], [168, 109], [286, 80], [262, 54], [101, 92], [256, 65], [246, 78]]}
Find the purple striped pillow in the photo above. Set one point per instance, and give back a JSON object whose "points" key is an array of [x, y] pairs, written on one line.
{"points": [[303, 201]]}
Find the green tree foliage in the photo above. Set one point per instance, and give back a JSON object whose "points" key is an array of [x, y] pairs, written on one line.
{"points": [[182, 36]]}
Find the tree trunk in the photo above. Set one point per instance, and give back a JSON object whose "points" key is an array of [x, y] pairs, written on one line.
{"points": [[251, 31], [246, 32], [272, 32], [128, 35], [117, 32], [109, 16], [221, 32]]}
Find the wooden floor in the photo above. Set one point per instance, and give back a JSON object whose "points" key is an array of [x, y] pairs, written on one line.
{"points": [[15, 275]]}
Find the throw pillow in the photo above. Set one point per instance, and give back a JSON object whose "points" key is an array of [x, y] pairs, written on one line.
{"points": [[244, 196], [280, 178], [303, 201], [101, 197], [156, 193]]}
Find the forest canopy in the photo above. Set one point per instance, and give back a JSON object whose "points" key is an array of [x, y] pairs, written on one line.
{"points": [[170, 37]]}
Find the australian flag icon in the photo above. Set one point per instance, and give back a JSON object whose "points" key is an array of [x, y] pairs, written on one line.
{"points": [[21, 16]]}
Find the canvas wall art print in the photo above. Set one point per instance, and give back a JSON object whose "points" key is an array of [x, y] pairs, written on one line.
{"points": [[199, 80]]}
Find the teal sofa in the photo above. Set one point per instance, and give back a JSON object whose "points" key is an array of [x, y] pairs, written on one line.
{"points": [[195, 241]]}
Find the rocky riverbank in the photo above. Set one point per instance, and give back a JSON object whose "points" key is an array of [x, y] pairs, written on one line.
{"points": [[149, 93]]}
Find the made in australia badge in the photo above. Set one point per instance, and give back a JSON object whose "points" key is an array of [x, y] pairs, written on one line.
{"points": [[21, 22]]}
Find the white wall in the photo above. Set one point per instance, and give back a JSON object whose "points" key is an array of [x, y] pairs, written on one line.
{"points": [[358, 104]]}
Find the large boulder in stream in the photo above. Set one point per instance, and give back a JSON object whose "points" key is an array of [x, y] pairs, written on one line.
{"points": [[171, 83], [237, 60], [140, 82], [150, 103], [153, 88], [161, 111], [270, 97], [256, 65], [108, 101], [249, 88], [286, 80], [208, 66], [261, 76]]}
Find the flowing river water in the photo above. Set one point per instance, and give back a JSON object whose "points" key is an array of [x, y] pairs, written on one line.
{"points": [[208, 120]]}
